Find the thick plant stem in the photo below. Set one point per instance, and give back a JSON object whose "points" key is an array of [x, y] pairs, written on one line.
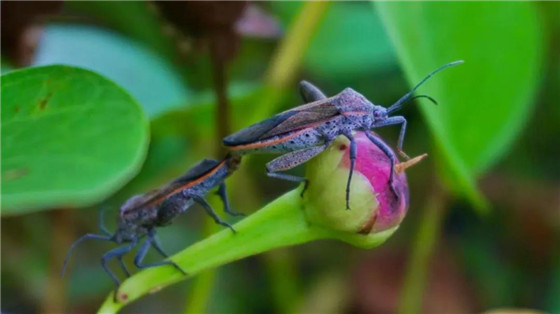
{"points": [[417, 269], [279, 224]]}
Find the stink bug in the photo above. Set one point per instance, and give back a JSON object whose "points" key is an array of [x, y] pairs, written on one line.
{"points": [[305, 131], [141, 214]]}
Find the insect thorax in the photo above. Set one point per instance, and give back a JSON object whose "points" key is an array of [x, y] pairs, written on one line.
{"points": [[350, 101], [127, 231]]}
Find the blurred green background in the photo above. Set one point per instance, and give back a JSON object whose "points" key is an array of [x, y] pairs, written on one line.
{"points": [[483, 228]]}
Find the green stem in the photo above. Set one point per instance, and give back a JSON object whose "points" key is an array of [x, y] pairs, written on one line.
{"points": [[281, 223], [417, 269]]}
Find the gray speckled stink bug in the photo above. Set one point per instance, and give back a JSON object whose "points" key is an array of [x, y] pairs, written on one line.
{"points": [[305, 131], [142, 214]]}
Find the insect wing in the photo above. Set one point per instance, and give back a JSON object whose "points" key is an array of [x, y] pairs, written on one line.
{"points": [[154, 196], [287, 121], [256, 131], [305, 116], [141, 200], [197, 171]]}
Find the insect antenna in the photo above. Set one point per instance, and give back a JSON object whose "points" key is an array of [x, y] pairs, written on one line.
{"points": [[397, 105], [423, 96], [89, 236], [102, 227]]}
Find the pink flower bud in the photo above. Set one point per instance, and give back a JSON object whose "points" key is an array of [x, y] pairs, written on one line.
{"points": [[374, 206]]}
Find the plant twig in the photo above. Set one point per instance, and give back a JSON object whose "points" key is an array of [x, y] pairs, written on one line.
{"points": [[222, 116]]}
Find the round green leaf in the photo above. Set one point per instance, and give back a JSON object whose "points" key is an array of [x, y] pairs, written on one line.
{"points": [[69, 138], [484, 102]]}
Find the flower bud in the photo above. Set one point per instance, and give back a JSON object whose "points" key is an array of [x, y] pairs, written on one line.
{"points": [[373, 205]]}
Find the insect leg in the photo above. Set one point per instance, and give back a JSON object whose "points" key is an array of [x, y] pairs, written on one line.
{"points": [[118, 252], [310, 92], [353, 152], [291, 160], [101, 224], [89, 236], [155, 244], [392, 121], [389, 154], [223, 195], [211, 212], [142, 253], [123, 266]]}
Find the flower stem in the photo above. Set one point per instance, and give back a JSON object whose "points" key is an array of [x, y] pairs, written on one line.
{"points": [[283, 222]]}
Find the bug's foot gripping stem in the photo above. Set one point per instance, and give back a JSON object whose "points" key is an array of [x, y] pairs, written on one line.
{"points": [[305, 185], [178, 268], [233, 213], [116, 294], [225, 224], [403, 154], [348, 200]]}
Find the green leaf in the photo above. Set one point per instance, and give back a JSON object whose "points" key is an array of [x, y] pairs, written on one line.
{"points": [[69, 138], [485, 102]]}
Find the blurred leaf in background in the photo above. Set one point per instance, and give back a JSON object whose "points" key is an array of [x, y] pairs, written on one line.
{"points": [[151, 79], [486, 101], [48, 157], [135, 19], [349, 42]]}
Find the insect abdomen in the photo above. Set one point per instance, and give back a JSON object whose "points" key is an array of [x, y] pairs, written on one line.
{"points": [[285, 143]]}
